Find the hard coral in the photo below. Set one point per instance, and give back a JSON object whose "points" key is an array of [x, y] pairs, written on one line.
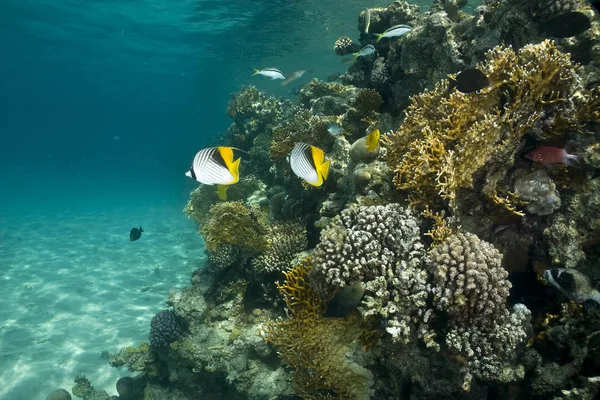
{"points": [[286, 240], [379, 246], [447, 138], [164, 329], [304, 127], [317, 348], [470, 286], [232, 223], [345, 45]]}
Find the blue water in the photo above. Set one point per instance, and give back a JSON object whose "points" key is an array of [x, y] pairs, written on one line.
{"points": [[102, 106]]}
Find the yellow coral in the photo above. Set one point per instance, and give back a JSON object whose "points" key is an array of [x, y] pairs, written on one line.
{"points": [[232, 223], [316, 347], [448, 140]]}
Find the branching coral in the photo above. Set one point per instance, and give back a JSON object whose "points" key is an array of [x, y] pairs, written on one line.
{"points": [[317, 348], [470, 286], [286, 240], [232, 223], [447, 137], [379, 246]]}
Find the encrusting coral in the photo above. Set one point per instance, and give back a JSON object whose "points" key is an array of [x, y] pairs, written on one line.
{"points": [[316, 348], [233, 223], [447, 137]]}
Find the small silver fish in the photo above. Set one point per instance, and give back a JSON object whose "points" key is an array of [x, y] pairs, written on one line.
{"points": [[293, 77], [334, 129], [367, 19], [365, 51], [272, 73], [394, 31]]}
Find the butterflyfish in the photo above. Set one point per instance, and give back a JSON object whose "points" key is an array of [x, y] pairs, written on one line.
{"points": [[373, 140], [308, 163], [215, 165], [222, 192]]}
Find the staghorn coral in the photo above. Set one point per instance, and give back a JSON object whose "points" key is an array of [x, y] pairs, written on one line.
{"points": [[232, 223], [317, 348], [447, 138], [470, 286], [286, 240]]}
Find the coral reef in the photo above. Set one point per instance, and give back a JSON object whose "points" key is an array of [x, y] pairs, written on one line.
{"points": [[446, 139], [540, 193], [317, 348]]}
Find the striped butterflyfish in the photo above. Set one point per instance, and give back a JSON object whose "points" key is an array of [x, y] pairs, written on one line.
{"points": [[215, 165], [308, 163]]}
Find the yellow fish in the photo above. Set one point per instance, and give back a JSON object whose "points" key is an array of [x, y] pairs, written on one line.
{"points": [[373, 140], [308, 163], [222, 192]]}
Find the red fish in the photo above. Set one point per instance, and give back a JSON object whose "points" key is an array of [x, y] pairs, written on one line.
{"points": [[553, 155]]}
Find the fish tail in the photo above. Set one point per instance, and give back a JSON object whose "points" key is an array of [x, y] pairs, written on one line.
{"points": [[256, 71], [573, 160], [379, 36], [141, 230]]}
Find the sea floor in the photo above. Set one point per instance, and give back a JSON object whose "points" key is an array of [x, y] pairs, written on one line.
{"points": [[73, 286]]}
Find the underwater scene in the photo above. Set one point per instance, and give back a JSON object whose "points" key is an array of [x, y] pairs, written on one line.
{"points": [[308, 199]]}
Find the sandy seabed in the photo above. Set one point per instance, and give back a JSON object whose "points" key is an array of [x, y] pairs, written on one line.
{"points": [[72, 285]]}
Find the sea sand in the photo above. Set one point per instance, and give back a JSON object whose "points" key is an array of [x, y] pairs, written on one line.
{"points": [[73, 285]]}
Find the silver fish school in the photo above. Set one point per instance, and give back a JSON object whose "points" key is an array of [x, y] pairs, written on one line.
{"points": [[215, 166], [308, 163]]}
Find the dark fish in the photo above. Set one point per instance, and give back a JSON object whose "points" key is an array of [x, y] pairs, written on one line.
{"points": [[346, 300], [135, 233], [568, 24], [333, 77], [470, 80]]}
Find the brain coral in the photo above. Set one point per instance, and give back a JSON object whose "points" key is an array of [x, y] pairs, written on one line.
{"points": [[164, 329]]}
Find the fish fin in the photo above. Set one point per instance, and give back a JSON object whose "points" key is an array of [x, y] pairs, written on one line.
{"points": [[256, 71], [141, 230], [234, 169], [325, 169], [188, 173], [378, 36], [222, 192], [452, 83], [348, 60]]}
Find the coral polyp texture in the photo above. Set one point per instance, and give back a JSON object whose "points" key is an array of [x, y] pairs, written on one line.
{"points": [[234, 224], [164, 329], [471, 287], [318, 350], [285, 241], [449, 139]]}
